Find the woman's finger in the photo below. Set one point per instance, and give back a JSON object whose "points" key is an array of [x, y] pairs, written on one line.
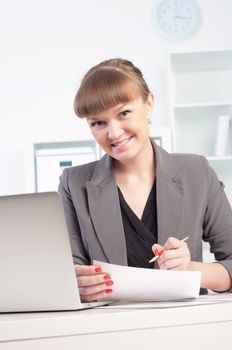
{"points": [[84, 281], [173, 243], [87, 270], [174, 264], [174, 253], [97, 296], [156, 248], [96, 288]]}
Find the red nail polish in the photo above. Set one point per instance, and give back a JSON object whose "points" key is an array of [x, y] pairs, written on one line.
{"points": [[107, 277], [109, 283], [98, 269], [109, 291], [161, 252]]}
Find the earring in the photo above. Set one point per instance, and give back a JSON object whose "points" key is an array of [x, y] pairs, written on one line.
{"points": [[149, 121]]}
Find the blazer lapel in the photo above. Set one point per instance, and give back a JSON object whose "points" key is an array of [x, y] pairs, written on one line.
{"points": [[170, 197], [105, 212]]}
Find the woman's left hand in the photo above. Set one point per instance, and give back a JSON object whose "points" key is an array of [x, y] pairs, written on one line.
{"points": [[176, 255]]}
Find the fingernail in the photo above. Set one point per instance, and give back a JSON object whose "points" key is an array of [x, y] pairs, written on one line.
{"points": [[109, 283], [107, 277], [98, 269], [161, 252], [156, 251], [108, 291]]}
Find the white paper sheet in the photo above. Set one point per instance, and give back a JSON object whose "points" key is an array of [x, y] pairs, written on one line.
{"points": [[201, 300], [138, 284]]}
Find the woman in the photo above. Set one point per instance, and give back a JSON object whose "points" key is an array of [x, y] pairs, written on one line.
{"points": [[119, 208]]}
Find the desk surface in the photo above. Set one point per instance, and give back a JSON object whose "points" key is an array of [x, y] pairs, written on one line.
{"points": [[29, 326]]}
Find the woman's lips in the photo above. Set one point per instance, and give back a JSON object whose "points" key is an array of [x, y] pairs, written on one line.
{"points": [[120, 143]]}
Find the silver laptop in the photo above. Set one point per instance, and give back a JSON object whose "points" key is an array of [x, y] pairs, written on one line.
{"points": [[36, 266]]}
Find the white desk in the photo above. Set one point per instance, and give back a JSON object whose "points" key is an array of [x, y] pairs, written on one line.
{"points": [[191, 327]]}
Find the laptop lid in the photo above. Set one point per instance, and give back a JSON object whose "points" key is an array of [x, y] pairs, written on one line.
{"points": [[36, 266]]}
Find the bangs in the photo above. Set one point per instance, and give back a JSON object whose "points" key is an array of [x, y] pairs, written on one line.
{"points": [[104, 89]]}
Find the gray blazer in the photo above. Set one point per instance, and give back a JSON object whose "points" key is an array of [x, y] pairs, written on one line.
{"points": [[190, 201]]}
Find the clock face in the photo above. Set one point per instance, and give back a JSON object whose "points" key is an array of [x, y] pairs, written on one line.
{"points": [[178, 19]]}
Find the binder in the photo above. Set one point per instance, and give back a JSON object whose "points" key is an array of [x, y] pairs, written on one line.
{"points": [[222, 135]]}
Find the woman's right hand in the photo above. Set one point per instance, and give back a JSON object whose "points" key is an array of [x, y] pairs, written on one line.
{"points": [[92, 282]]}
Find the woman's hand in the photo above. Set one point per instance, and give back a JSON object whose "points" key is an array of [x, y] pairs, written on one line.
{"points": [[175, 255], [93, 284]]}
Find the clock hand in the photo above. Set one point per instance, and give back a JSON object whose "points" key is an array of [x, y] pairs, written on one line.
{"points": [[181, 17]]}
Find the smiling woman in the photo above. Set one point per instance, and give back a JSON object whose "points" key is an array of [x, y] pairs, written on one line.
{"points": [[119, 112], [137, 195]]}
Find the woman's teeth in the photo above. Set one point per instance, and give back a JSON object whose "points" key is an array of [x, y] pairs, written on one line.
{"points": [[120, 143]]}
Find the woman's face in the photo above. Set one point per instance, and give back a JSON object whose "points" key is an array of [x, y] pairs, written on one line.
{"points": [[123, 130]]}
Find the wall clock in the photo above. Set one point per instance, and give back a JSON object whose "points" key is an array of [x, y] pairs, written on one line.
{"points": [[177, 19]]}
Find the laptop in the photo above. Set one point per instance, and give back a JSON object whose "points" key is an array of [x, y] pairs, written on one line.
{"points": [[36, 266]]}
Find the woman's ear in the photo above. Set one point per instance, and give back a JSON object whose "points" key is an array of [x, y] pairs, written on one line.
{"points": [[150, 100], [150, 105]]}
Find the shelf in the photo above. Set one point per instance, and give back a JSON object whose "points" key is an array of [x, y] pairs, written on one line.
{"points": [[201, 61], [220, 159], [200, 87], [204, 105]]}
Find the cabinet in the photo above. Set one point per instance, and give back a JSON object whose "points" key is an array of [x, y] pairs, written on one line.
{"points": [[51, 158], [200, 93]]}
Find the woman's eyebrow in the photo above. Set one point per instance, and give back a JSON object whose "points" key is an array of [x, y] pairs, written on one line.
{"points": [[127, 104], [117, 109], [97, 117]]}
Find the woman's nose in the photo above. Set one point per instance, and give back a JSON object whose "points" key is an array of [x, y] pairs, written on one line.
{"points": [[114, 130]]}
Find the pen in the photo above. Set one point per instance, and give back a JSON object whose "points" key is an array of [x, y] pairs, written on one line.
{"points": [[162, 250]]}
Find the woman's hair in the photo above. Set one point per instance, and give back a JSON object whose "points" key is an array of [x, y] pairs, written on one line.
{"points": [[107, 84]]}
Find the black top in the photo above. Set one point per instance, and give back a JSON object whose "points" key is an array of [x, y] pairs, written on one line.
{"points": [[140, 234]]}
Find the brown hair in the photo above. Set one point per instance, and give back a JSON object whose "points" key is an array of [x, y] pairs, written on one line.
{"points": [[107, 84]]}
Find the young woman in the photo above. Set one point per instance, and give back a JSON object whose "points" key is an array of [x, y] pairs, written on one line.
{"points": [[119, 208]]}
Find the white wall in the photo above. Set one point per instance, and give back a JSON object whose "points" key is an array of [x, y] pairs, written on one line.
{"points": [[47, 46]]}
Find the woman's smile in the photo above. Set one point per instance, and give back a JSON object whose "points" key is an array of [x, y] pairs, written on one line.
{"points": [[120, 144]]}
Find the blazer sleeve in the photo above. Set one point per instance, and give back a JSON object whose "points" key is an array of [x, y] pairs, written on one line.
{"points": [[77, 246], [217, 223]]}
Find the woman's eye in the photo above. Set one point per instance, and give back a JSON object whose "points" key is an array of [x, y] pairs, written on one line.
{"points": [[97, 123], [124, 113]]}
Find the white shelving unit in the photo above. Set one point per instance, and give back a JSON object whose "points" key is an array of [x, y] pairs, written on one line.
{"points": [[201, 92]]}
